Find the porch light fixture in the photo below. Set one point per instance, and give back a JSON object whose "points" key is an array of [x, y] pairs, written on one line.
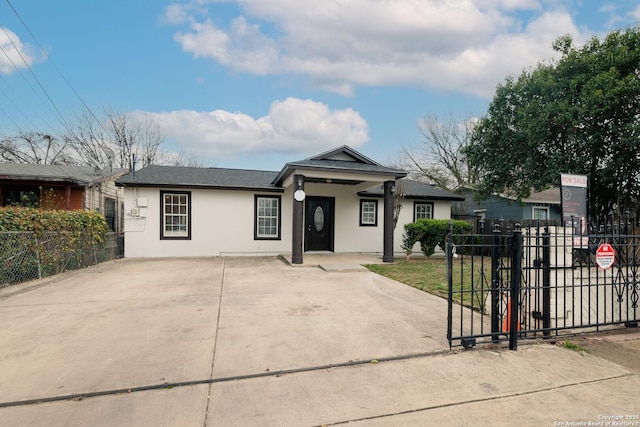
{"points": [[299, 195]]}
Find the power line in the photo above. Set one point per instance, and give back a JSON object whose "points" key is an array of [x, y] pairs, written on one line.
{"points": [[18, 109], [33, 89], [84, 104], [61, 117], [10, 119]]}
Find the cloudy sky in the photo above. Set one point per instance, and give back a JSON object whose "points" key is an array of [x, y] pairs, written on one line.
{"points": [[255, 83]]}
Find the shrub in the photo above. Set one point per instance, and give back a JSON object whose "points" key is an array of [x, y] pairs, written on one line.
{"points": [[430, 233], [59, 239], [91, 223]]}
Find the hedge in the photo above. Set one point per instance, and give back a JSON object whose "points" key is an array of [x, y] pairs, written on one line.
{"points": [[91, 224], [431, 233], [46, 241]]}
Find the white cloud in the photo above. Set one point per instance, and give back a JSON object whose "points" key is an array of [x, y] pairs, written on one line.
{"points": [[465, 46], [635, 13], [520, 4], [291, 126], [16, 55]]}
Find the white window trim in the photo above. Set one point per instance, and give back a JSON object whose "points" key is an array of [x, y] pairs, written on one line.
{"points": [[256, 234], [164, 234], [373, 223], [542, 208], [415, 209]]}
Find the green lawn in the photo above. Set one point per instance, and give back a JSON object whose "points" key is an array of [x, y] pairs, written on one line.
{"points": [[430, 275]]}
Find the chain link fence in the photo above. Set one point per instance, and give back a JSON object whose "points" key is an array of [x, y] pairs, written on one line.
{"points": [[28, 256]]}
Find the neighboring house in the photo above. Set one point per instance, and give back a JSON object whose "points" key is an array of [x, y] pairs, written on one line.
{"points": [[337, 201], [63, 187], [542, 205]]}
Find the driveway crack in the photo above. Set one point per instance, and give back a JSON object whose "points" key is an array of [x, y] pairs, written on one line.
{"points": [[215, 343]]}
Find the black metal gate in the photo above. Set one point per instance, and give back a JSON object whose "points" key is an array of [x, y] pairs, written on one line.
{"points": [[540, 281]]}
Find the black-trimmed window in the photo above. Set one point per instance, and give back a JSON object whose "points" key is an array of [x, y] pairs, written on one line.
{"points": [[175, 215], [267, 218], [422, 210], [368, 213]]}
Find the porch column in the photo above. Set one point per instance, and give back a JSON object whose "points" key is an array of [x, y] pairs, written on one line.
{"points": [[298, 220], [389, 189]]}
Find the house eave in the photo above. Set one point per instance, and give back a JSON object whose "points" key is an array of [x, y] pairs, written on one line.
{"points": [[201, 187], [413, 197], [293, 168], [424, 197], [34, 178]]}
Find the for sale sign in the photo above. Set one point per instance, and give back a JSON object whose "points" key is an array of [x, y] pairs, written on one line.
{"points": [[574, 189], [605, 256]]}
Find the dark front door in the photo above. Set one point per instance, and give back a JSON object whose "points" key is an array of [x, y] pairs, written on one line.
{"points": [[319, 215]]}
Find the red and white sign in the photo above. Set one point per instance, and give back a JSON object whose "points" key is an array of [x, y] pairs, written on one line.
{"points": [[574, 180], [605, 256]]}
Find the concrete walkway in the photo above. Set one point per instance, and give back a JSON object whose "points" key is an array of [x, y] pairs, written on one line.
{"points": [[254, 341]]}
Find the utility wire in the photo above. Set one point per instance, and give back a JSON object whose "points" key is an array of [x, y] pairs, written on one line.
{"points": [[11, 119], [33, 89], [19, 110], [61, 117], [84, 104]]}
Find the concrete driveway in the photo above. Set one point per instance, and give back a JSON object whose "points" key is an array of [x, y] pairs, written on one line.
{"points": [[254, 341]]}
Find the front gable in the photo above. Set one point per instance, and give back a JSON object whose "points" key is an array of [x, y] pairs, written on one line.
{"points": [[342, 165], [344, 153]]}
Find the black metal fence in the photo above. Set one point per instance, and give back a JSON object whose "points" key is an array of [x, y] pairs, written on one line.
{"points": [[28, 256], [541, 281]]}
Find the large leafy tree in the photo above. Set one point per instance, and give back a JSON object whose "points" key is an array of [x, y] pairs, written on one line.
{"points": [[579, 114]]}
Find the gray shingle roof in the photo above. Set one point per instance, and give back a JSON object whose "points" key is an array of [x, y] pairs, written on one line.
{"points": [[415, 190], [81, 175], [549, 196], [244, 179], [175, 176]]}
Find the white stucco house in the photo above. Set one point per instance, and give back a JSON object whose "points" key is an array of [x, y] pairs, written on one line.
{"points": [[338, 201]]}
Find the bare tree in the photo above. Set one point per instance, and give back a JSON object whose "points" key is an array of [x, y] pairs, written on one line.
{"points": [[440, 158], [398, 199], [117, 141], [171, 158], [135, 141], [35, 148], [88, 139]]}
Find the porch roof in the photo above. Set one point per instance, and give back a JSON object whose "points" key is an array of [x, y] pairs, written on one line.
{"points": [[342, 160]]}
